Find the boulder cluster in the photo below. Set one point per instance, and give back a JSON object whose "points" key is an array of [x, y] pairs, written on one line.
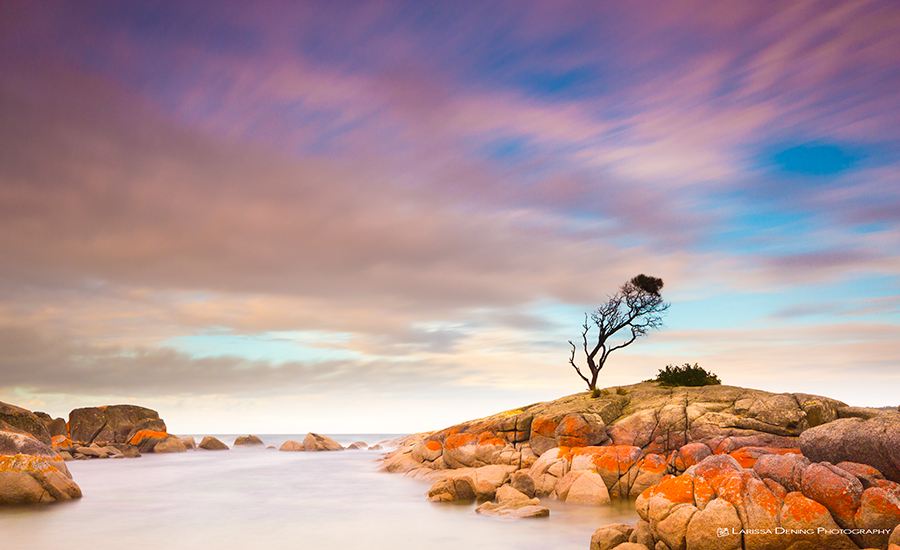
{"points": [[784, 502], [317, 442], [777, 460], [113, 431], [31, 471]]}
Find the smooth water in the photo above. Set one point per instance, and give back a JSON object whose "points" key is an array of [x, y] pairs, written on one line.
{"points": [[255, 498]]}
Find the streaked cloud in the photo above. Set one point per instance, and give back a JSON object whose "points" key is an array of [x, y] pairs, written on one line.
{"points": [[394, 197]]}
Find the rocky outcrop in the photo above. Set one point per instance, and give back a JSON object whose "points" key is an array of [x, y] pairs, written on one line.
{"points": [[31, 472], [875, 442], [210, 443], [312, 442], [784, 502], [19, 420], [113, 424], [248, 441], [694, 422]]}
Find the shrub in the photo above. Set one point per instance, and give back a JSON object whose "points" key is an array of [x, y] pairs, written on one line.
{"points": [[595, 393], [686, 375]]}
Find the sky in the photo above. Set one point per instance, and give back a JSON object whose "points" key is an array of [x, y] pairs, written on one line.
{"points": [[281, 217]]}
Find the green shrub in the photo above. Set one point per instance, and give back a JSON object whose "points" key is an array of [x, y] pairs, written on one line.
{"points": [[686, 375], [621, 391], [595, 393]]}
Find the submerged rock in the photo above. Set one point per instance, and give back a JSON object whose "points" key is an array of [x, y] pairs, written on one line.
{"points": [[291, 445], [210, 443], [317, 442], [248, 440]]}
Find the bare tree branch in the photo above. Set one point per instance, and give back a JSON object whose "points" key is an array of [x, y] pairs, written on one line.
{"points": [[637, 305]]}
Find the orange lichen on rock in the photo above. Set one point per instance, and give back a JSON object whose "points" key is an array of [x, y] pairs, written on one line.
{"points": [[61, 441], [611, 458], [703, 492], [143, 435], [747, 456], [674, 489], [457, 440], [802, 509], [544, 425], [433, 446], [490, 438], [653, 463], [881, 501], [29, 463]]}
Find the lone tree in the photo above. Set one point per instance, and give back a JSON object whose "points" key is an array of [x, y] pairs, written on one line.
{"points": [[636, 306]]}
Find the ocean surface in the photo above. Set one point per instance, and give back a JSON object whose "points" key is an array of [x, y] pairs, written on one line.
{"points": [[255, 498]]}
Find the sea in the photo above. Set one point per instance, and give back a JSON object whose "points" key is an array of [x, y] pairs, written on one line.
{"points": [[249, 498]]}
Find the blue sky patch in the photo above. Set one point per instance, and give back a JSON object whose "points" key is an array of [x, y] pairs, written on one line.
{"points": [[816, 159]]}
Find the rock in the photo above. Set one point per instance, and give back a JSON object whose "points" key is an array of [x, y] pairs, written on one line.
{"points": [[587, 488], [57, 427], [547, 471], [248, 440], [468, 450], [786, 469], [212, 444], [875, 442], [146, 440], [375, 447], [610, 536], [612, 462], [145, 428], [17, 419], [112, 423], [530, 511], [688, 455], [92, 452], [357, 446], [806, 521], [112, 452], [879, 513], [316, 442], [716, 527], [521, 481], [170, 444], [580, 430], [484, 482], [127, 451], [31, 472], [188, 441], [291, 445], [747, 456], [895, 536], [837, 490], [452, 490], [641, 534], [507, 496], [672, 529]]}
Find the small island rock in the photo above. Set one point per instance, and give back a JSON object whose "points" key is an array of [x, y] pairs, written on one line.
{"points": [[248, 440], [210, 443]]}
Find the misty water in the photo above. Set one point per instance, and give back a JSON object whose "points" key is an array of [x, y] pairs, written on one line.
{"points": [[256, 498]]}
